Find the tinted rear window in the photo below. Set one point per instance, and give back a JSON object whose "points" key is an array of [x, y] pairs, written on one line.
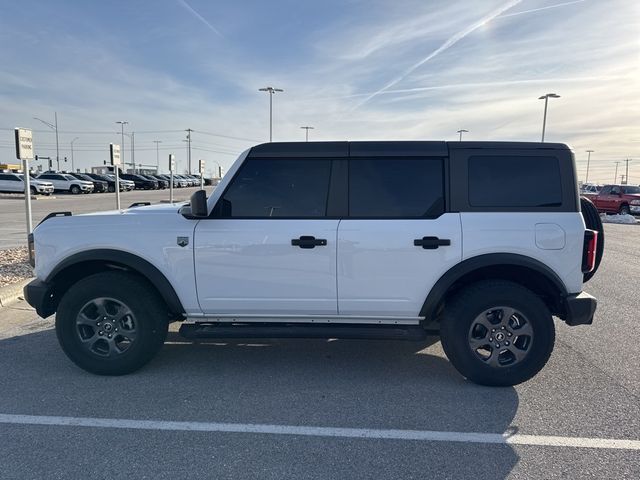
{"points": [[514, 181], [396, 187]]}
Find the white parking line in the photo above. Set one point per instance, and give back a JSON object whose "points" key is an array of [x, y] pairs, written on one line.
{"points": [[419, 435]]}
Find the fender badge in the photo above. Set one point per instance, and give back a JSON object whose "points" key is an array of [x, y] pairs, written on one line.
{"points": [[183, 241]]}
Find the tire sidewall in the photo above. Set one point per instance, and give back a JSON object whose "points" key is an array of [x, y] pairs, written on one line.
{"points": [[151, 328], [455, 330]]}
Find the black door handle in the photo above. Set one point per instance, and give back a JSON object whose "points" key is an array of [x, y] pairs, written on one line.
{"points": [[431, 243], [307, 241]]}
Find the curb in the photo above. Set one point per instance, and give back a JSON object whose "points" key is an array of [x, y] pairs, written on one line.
{"points": [[21, 197], [12, 292]]}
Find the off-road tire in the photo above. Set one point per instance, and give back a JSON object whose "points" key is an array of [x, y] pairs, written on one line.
{"points": [[139, 296], [462, 310]]}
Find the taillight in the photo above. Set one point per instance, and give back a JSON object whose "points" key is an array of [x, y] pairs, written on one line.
{"points": [[589, 251], [32, 250]]}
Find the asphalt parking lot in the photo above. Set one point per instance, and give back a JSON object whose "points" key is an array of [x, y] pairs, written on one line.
{"points": [[12, 217], [329, 409]]}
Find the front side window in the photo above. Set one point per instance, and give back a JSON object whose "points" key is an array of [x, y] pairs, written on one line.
{"points": [[396, 187], [266, 188], [514, 181], [631, 190]]}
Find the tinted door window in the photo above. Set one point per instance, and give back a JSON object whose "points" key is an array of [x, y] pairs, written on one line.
{"points": [[396, 187], [265, 188], [514, 181]]}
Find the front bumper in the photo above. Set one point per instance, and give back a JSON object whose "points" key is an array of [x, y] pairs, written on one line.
{"points": [[634, 209], [580, 309], [39, 295]]}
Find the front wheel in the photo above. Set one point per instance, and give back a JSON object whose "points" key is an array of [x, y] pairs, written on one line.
{"points": [[111, 323], [624, 210], [75, 189], [497, 333], [33, 191]]}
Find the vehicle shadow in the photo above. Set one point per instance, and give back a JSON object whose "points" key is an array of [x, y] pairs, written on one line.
{"points": [[330, 383]]}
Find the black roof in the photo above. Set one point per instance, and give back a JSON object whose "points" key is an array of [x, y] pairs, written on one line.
{"points": [[405, 148]]}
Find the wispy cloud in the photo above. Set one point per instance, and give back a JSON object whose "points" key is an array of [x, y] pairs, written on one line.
{"points": [[451, 41], [200, 17], [564, 4]]}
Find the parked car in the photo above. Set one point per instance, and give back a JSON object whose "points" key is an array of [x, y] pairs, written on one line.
{"points": [[589, 188], [336, 240], [99, 186], [14, 182], [620, 199], [177, 182], [64, 182], [189, 181], [125, 185], [140, 182], [162, 183]]}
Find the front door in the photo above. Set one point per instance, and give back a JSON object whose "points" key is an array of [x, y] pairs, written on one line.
{"points": [[268, 248]]}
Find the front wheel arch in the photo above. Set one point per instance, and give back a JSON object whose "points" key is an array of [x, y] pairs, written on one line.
{"points": [[83, 264]]}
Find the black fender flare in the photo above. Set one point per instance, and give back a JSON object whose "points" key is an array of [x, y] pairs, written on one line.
{"points": [[449, 278], [127, 260]]}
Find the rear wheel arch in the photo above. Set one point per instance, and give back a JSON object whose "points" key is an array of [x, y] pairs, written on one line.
{"points": [[83, 264], [528, 272]]}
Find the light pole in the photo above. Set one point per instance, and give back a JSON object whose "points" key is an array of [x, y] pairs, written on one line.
{"points": [[586, 179], [461, 131], [53, 127], [306, 133], [546, 98], [158, 142], [72, 166], [122, 149], [271, 91], [188, 130], [626, 176], [615, 177]]}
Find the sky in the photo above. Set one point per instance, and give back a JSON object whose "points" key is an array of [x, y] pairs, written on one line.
{"points": [[352, 69]]}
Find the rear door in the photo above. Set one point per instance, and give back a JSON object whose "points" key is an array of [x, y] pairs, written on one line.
{"points": [[269, 248], [10, 183], [397, 239]]}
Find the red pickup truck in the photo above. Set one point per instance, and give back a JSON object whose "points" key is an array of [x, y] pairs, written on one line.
{"points": [[622, 199]]}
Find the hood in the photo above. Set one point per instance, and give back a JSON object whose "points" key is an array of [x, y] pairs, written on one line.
{"points": [[161, 208], [43, 183]]}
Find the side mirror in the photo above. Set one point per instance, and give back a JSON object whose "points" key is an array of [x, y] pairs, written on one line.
{"points": [[199, 204]]}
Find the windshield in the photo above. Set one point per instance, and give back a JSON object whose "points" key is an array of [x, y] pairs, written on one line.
{"points": [[69, 177]]}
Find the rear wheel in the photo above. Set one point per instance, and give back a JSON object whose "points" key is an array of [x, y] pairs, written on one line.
{"points": [[593, 221], [497, 333], [111, 323]]}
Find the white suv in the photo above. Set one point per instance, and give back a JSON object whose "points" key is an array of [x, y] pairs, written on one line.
{"points": [[14, 182], [67, 183], [481, 243]]}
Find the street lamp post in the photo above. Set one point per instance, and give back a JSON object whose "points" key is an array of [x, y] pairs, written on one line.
{"points": [[461, 131], [55, 128], [72, 165], [271, 91], [546, 98], [306, 133], [122, 149], [615, 177], [586, 179], [158, 142]]}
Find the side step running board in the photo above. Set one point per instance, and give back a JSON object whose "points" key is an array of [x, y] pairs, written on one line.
{"points": [[341, 331]]}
